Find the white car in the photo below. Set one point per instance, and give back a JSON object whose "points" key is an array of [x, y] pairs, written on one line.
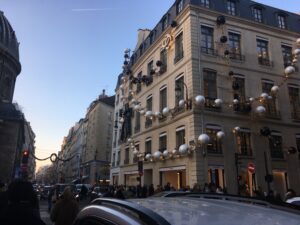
{"points": [[196, 209], [294, 201]]}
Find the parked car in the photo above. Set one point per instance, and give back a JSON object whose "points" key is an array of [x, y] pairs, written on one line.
{"points": [[293, 201], [170, 194], [99, 191], [194, 209]]}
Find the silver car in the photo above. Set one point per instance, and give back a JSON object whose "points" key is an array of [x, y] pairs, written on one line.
{"points": [[192, 209]]}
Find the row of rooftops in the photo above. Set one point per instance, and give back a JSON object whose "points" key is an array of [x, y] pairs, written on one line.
{"points": [[243, 10]]}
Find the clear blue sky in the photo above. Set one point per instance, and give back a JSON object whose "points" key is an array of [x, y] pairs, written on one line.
{"points": [[72, 49]]}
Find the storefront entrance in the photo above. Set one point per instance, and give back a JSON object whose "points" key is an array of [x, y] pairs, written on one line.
{"points": [[176, 176]]}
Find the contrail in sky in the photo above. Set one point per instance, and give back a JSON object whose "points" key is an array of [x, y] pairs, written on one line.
{"points": [[92, 9]]}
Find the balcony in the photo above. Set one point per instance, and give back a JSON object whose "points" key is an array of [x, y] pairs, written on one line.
{"points": [[274, 114], [264, 61], [296, 115], [210, 104], [148, 123], [178, 56], [243, 107], [209, 51], [137, 128], [236, 56]]}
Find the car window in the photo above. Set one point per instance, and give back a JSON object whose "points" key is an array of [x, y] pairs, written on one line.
{"points": [[295, 202], [94, 221]]}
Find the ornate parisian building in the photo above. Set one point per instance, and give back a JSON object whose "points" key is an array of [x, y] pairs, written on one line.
{"points": [[11, 119], [211, 95]]}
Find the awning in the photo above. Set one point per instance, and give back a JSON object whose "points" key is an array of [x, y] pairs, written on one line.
{"points": [[172, 168], [131, 172]]}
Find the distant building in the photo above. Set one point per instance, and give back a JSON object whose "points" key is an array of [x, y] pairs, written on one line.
{"points": [[211, 95]]}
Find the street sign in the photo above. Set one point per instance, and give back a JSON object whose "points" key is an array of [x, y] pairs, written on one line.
{"points": [[251, 167]]}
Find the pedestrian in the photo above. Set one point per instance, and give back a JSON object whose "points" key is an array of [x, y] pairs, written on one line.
{"points": [[65, 209], [119, 193], [23, 206], [51, 199], [151, 190]]}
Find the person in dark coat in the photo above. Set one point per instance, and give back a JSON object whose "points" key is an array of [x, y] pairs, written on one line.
{"points": [[119, 193], [151, 190], [23, 205], [65, 209]]}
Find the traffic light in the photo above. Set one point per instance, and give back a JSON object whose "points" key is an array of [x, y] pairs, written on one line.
{"points": [[25, 156]]}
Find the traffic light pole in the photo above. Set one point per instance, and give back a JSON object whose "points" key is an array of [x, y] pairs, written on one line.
{"points": [[237, 172], [267, 171]]}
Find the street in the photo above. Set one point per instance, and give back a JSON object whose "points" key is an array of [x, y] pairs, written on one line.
{"points": [[45, 216]]}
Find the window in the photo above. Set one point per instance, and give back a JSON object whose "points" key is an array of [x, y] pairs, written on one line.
{"points": [[126, 160], [244, 142], [298, 144], [287, 55], [262, 52], [257, 14], [118, 158], [231, 7], [207, 40], [162, 142], [113, 159], [204, 3], [179, 85], [162, 98], [275, 144], [294, 101], [148, 146], [148, 122], [235, 46], [151, 38], [135, 158], [210, 87], [214, 146], [178, 47], [238, 86], [137, 127], [164, 60], [281, 21], [150, 68], [269, 104], [139, 85], [164, 23], [180, 136], [179, 6]]}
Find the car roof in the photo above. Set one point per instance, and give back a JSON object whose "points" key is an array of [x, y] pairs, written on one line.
{"points": [[197, 211]]}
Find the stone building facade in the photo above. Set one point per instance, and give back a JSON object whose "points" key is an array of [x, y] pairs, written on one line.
{"points": [[214, 97]]}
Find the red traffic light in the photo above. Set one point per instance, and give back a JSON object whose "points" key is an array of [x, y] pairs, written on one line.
{"points": [[25, 153]]}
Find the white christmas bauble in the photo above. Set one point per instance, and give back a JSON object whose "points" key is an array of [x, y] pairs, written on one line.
{"points": [[297, 51], [158, 114], [174, 152], [260, 109], [183, 149], [157, 154], [264, 96], [251, 99], [298, 41], [235, 101], [148, 156], [289, 70], [121, 120], [199, 100], [236, 129], [135, 152], [165, 111], [121, 86], [142, 112], [181, 103], [275, 90], [220, 134], [126, 50], [218, 102], [149, 114], [137, 107], [130, 140], [203, 139], [166, 153]]}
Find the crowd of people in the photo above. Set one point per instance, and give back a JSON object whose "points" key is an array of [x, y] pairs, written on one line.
{"points": [[19, 203]]}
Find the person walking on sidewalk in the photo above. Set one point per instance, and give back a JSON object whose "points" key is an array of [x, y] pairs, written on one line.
{"points": [[65, 209]]}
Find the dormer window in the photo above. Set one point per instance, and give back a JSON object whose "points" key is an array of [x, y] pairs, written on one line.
{"points": [[179, 6], [257, 14], [231, 7], [204, 3], [164, 23], [281, 21]]}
